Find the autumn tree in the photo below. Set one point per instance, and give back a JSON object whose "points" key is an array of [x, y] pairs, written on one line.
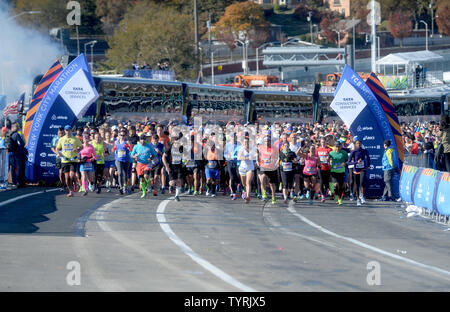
{"points": [[443, 17], [243, 19], [111, 12], [151, 33], [400, 24]]}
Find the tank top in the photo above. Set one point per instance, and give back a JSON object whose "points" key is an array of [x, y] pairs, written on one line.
{"points": [[100, 150], [110, 156], [310, 166]]}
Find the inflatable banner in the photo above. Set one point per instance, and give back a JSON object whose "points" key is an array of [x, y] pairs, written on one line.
{"points": [[424, 190], [406, 182], [67, 98], [358, 107], [39, 94], [443, 194]]}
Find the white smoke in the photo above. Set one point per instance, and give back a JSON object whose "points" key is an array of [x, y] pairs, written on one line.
{"points": [[24, 54]]}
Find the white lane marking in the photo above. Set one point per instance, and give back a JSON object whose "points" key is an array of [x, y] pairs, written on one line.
{"points": [[102, 223], [364, 245], [189, 252], [9, 201], [278, 227]]}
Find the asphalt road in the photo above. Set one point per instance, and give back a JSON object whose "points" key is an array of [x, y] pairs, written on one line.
{"points": [[108, 242]]}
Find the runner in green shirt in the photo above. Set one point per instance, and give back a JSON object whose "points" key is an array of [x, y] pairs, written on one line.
{"points": [[338, 160]]}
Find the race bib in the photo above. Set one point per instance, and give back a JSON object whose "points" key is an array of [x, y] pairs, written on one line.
{"points": [[266, 162], [190, 164], [310, 170], [121, 153], [360, 166], [176, 160], [323, 159], [88, 166], [68, 147], [287, 166], [338, 167]]}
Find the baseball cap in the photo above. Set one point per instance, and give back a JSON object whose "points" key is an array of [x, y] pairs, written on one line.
{"points": [[67, 127]]}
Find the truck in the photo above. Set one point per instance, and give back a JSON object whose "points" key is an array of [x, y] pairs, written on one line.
{"points": [[332, 80], [258, 81]]}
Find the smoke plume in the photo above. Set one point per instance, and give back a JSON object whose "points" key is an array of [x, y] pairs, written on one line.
{"points": [[24, 54]]}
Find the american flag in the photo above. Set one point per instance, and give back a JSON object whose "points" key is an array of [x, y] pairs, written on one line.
{"points": [[13, 109]]}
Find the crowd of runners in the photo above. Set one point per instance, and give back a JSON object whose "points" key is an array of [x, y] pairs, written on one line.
{"points": [[268, 161]]}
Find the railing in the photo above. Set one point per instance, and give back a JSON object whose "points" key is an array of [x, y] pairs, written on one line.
{"points": [[422, 160], [168, 75]]}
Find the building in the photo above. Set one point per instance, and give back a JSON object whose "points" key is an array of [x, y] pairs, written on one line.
{"points": [[341, 6]]}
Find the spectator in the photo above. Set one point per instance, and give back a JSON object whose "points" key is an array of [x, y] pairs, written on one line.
{"points": [[390, 165], [18, 156], [444, 138]]}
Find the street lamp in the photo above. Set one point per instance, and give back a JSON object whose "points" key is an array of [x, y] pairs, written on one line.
{"points": [[310, 24], [339, 38], [23, 13], [244, 54], [257, 56], [92, 43], [426, 34]]}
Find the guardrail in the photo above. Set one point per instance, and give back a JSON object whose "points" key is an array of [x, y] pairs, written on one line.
{"points": [[422, 160]]}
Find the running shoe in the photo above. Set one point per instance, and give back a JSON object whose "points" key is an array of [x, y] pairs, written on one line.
{"points": [[310, 201], [70, 194], [352, 197], [144, 192], [207, 193], [243, 195], [108, 190], [247, 199], [177, 198], [363, 200], [195, 193], [155, 193], [85, 193], [322, 200], [339, 201], [307, 195], [234, 197], [285, 200], [99, 190], [358, 202], [292, 194], [294, 199], [274, 200], [302, 196]]}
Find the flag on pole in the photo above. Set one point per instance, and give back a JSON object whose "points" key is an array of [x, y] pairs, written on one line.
{"points": [[13, 108]]}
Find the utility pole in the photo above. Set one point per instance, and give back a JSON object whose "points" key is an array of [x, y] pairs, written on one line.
{"points": [[374, 36], [197, 52]]}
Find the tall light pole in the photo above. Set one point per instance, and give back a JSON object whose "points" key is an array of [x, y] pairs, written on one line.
{"points": [[197, 54], [426, 34], [257, 56], [92, 43], [374, 34], [432, 18], [310, 24], [244, 54]]}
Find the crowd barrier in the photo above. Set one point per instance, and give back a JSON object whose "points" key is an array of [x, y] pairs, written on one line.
{"points": [[419, 160], [426, 188], [4, 166], [168, 75]]}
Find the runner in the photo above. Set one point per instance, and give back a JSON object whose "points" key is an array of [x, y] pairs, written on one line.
{"points": [[310, 172], [87, 161], [295, 145], [268, 158], [360, 158], [173, 164], [67, 148], [110, 163], [324, 170], [100, 149], [156, 164], [287, 160], [192, 168], [212, 173], [58, 158], [338, 159], [122, 149], [246, 168], [230, 152], [143, 153]]}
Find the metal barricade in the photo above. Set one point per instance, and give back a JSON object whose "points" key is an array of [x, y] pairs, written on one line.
{"points": [[419, 160], [4, 166]]}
